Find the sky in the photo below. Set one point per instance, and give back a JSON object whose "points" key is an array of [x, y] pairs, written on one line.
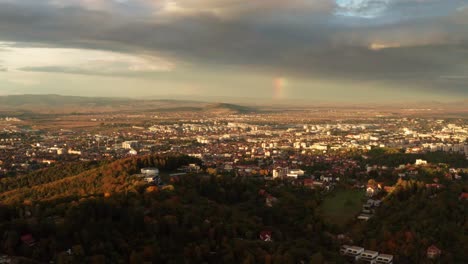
{"points": [[310, 50]]}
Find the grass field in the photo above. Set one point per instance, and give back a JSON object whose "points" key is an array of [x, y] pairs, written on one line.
{"points": [[340, 206]]}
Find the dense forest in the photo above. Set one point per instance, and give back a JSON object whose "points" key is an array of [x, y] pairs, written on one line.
{"points": [[414, 217], [200, 219]]}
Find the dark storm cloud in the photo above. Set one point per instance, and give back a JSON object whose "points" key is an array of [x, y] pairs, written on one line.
{"points": [[417, 42]]}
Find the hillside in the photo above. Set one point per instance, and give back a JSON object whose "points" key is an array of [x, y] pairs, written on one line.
{"points": [[228, 108], [103, 215], [83, 179], [59, 104]]}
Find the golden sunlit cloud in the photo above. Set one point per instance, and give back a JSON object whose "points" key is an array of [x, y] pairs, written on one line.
{"points": [[381, 46], [70, 60]]}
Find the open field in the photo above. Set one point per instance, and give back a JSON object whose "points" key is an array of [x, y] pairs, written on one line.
{"points": [[342, 205]]}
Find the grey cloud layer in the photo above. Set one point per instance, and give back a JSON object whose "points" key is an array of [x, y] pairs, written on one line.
{"points": [[416, 42]]}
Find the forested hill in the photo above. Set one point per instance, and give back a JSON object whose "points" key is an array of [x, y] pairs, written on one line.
{"points": [[414, 217], [100, 215], [83, 179]]}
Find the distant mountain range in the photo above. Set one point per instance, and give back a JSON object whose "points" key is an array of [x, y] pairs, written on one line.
{"points": [[53, 103], [60, 104]]}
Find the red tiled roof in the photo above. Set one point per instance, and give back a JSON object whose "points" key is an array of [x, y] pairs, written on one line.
{"points": [[433, 249], [26, 237], [265, 235]]}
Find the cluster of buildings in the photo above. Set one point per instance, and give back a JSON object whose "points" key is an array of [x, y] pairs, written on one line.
{"points": [[356, 254], [242, 144], [368, 209]]}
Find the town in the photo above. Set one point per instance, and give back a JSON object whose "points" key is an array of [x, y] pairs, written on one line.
{"points": [[243, 144], [354, 163]]}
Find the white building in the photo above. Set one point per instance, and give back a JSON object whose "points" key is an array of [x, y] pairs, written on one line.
{"points": [[421, 162], [150, 175], [74, 152], [280, 172], [319, 147], [129, 144], [384, 259], [60, 151], [353, 252], [297, 172], [368, 256], [150, 171]]}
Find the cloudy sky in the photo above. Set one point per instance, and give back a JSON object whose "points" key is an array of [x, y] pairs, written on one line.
{"points": [[316, 50]]}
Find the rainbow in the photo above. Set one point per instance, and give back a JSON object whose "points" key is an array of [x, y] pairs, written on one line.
{"points": [[279, 87]]}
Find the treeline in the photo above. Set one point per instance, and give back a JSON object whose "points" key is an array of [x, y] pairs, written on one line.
{"points": [[394, 158], [205, 219]]}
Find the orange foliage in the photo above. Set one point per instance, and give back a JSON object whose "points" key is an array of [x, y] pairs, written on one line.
{"points": [[168, 188], [151, 189]]}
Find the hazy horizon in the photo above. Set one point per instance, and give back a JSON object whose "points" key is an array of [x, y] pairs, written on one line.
{"points": [[44, 99], [353, 51]]}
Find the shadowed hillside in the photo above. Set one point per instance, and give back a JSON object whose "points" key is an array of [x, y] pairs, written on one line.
{"points": [[59, 104]]}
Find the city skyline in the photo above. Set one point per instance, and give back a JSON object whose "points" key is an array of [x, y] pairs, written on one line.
{"points": [[343, 50]]}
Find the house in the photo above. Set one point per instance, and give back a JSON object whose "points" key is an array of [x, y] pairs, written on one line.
{"points": [[420, 162], [150, 171], [270, 200], [463, 196], [367, 209], [297, 172], [364, 217], [374, 203], [266, 236], [326, 178], [262, 192], [368, 256], [152, 179], [309, 183], [228, 167], [353, 253], [28, 240], [372, 190], [343, 249], [384, 259], [433, 252], [280, 172], [434, 186]]}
